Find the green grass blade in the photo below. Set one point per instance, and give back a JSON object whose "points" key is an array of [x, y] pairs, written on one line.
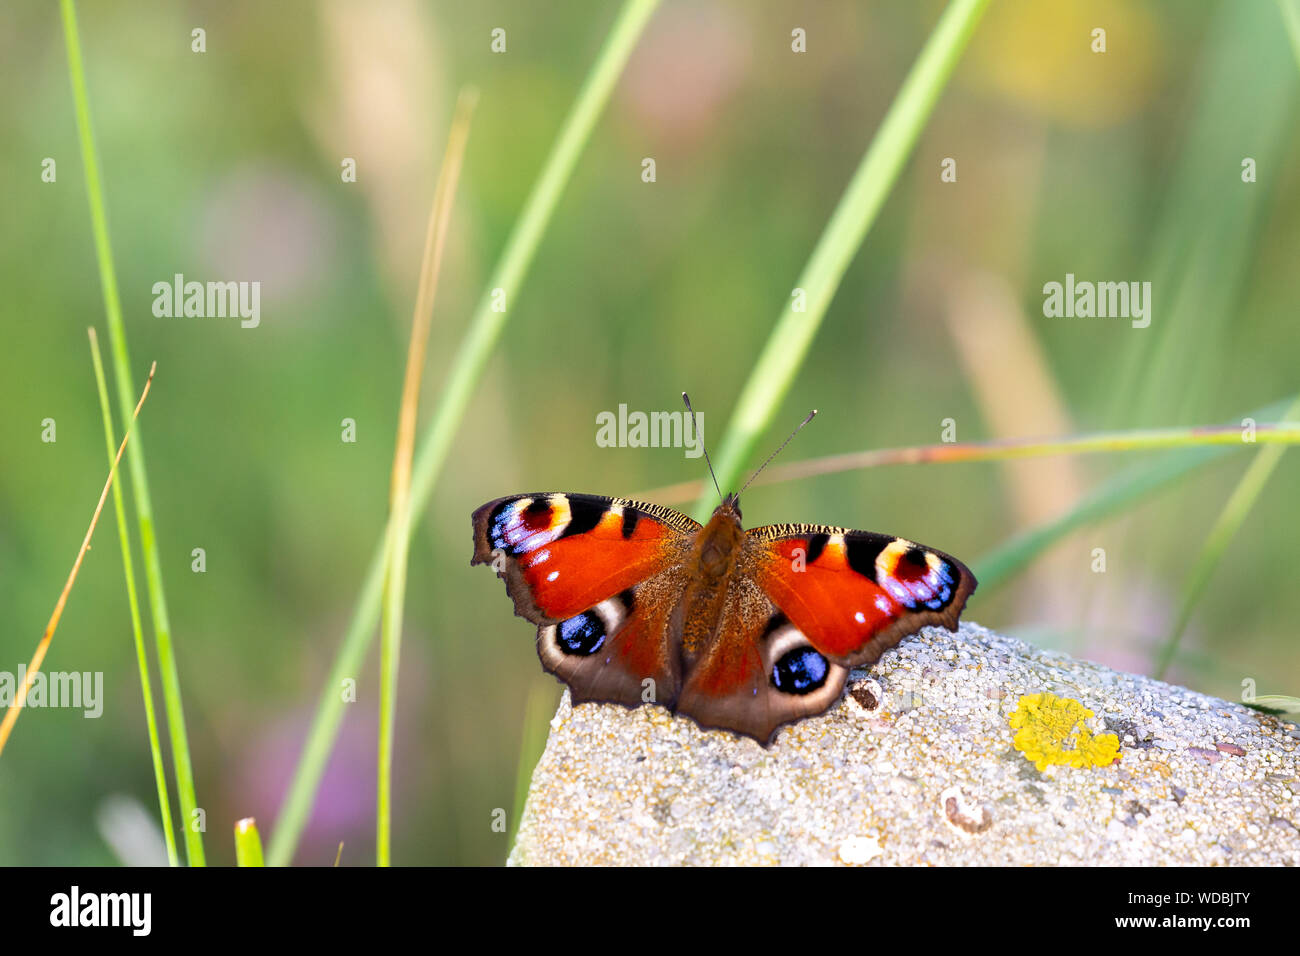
{"points": [[1001, 564], [248, 844], [132, 597], [538, 708], [1290, 10], [1202, 244], [435, 245], [1287, 705], [995, 568], [171, 685], [788, 344], [1234, 512], [466, 370]]}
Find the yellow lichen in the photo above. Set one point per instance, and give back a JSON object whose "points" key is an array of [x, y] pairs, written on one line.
{"points": [[1050, 730]]}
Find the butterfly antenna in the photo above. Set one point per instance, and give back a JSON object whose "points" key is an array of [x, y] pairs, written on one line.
{"points": [[811, 416], [700, 431]]}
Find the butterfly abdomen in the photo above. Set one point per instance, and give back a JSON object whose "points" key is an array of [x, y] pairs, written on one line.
{"points": [[714, 555]]}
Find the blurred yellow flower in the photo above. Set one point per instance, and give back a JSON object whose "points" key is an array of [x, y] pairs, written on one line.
{"points": [[1043, 56]]}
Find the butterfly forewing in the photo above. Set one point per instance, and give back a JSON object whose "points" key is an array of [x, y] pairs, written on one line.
{"points": [[564, 554], [855, 594]]}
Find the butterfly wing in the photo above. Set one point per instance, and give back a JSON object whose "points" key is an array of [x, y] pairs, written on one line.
{"points": [[759, 672], [605, 580], [855, 594], [601, 577], [624, 650]]}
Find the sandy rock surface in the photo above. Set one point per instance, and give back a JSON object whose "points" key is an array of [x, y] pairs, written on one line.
{"points": [[966, 748]]}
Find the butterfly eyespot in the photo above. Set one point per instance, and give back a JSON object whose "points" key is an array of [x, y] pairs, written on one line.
{"points": [[912, 565], [800, 671], [518, 526], [915, 579], [582, 635]]}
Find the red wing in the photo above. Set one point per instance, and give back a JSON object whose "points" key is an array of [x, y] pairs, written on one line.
{"points": [[855, 594], [759, 672], [623, 650], [563, 554]]}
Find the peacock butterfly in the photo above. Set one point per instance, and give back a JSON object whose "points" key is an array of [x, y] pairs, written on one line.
{"points": [[740, 630]]}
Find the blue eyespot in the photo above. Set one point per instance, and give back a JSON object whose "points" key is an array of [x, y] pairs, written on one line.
{"points": [[800, 671], [582, 635]]}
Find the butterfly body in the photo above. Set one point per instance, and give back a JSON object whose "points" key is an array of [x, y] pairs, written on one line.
{"points": [[740, 630], [715, 554]]}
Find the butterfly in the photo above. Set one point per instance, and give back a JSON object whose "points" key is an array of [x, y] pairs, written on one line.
{"points": [[740, 630]]}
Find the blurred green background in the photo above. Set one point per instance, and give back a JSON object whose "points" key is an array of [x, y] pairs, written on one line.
{"points": [[1122, 166]]}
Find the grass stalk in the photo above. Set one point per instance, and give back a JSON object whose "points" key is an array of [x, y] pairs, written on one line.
{"points": [[788, 344], [1290, 10], [1275, 435], [998, 566], [43, 645], [133, 601], [399, 525], [1234, 512], [467, 368], [248, 843], [1278, 702], [171, 685]]}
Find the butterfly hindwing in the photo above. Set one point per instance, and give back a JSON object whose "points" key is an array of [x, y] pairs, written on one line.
{"points": [[759, 672], [855, 594], [624, 650], [601, 578]]}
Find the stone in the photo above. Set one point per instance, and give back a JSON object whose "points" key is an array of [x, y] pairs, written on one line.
{"points": [[966, 748]]}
